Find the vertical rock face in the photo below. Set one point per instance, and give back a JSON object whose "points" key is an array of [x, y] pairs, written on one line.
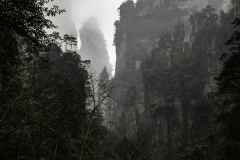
{"points": [[93, 46], [162, 102], [105, 107], [160, 78], [178, 47], [212, 65], [236, 7], [165, 52], [133, 44]]}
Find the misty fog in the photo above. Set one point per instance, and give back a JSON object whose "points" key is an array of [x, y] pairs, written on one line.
{"points": [[145, 80], [106, 11], [77, 11]]}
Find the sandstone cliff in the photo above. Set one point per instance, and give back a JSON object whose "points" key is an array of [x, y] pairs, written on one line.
{"points": [[93, 46], [160, 76]]}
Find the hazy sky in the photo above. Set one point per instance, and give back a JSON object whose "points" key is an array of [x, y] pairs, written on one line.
{"points": [[104, 10]]}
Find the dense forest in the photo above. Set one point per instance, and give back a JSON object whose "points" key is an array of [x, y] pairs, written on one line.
{"points": [[175, 93]]}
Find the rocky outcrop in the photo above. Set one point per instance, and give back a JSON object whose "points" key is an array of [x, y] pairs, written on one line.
{"points": [[160, 78], [162, 92], [134, 43], [93, 46], [236, 7]]}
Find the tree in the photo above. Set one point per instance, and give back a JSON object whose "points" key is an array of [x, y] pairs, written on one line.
{"points": [[228, 85], [221, 110], [23, 41], [23, 38], [206, 17], [133, 142], [228, 77], [24, 22], [69, 40], [97, 93]]}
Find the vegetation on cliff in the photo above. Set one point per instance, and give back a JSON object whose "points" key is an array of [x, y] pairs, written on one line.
{"points": [[220, 110], [175, 75], [50, 108], [44, 91], [179, 85]]}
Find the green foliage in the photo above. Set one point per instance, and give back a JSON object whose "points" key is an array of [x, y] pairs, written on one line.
{"points": [[208, 16], [22, 40], [220, 110], [135, 27], [26, 20], [43, 90], [185, 82], [135, 34], [173, 93], [230, 118], [135, 145], [127, 9]]}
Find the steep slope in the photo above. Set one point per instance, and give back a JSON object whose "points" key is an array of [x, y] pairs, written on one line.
{"points": [[160, 79], [137, 33]]}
